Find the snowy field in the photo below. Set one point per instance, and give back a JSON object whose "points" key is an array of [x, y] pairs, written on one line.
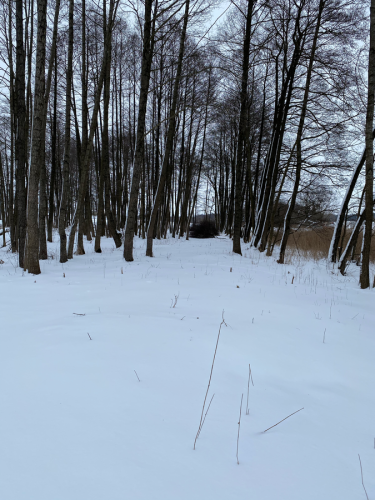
{"points": [[76, 424]]}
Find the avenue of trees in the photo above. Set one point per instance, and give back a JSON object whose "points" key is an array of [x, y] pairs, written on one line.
{"points": [[126, 118]]}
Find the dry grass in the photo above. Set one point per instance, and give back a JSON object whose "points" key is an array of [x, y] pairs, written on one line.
{"points": [[313, 243]]}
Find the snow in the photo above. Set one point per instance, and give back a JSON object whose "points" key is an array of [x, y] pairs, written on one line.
{"points": [[77, 424]]}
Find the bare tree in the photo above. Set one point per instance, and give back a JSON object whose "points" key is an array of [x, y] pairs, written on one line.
{"points": [[369, 186], [37, 143]]}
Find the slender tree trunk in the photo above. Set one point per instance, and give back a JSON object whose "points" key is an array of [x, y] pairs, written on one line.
{"points": [[13, 236], [350, 246], [105, 145], [80, 247], [2, 196], [369, 186], [170, 134], [288, 216], [332, 255], [148, 46], [193, 205], [242, 132], [43, 172], [53, 161], [20, 145], [94, 120], [65, 181], [37, 145]]}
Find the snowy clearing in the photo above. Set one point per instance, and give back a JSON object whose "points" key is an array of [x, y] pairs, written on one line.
{"points": [[77, 424]]}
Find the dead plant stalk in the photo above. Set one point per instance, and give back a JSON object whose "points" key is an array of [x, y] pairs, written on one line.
{"points": [[209, 382]]}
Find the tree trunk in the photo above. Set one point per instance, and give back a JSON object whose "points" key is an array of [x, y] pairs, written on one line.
{"points": [[242, 132], [332, 255], [2, 196], [288, 215], [349, 249], [369, 185], [94, 120], [148, 48], [170, 135], [37, 144], [65, 180], [53, 161], [105, 145], [20, 146]]}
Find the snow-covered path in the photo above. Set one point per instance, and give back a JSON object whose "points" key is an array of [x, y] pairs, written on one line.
{"points": [[76, 424]]}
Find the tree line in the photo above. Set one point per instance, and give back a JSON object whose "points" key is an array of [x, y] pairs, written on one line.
{"points": [[125, 118]]}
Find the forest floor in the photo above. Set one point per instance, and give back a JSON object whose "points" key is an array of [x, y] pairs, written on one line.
{"points": [[77, 424]]}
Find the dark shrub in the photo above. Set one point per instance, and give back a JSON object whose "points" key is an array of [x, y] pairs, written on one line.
{"points": [[203, 229]]}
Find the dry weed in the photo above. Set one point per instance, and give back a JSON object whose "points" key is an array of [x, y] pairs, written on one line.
{"points": [[313, 243]]}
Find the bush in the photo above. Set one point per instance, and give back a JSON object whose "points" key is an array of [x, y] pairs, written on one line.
{"points": [[203, 229]]}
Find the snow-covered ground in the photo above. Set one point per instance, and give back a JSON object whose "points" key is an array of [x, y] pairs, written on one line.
{"points": [[76, 424]]}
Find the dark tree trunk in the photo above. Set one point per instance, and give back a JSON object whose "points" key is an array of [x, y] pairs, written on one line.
{"points": [[65, 181], [20, 145], [94, 120], [37, 143], [238, 202], [148, 48], [369, 185], [288, 216], [350, 246], [170, 135]]}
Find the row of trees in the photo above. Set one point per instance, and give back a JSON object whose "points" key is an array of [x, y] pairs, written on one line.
{"points": [[123, 118]]}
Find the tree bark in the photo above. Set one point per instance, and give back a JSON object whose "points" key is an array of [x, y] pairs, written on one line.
{"points": [[94, 120], [352, 242], [20, 143], [170, 134], [2, 196], [288, 215], [369, 185], [242, 132], [148, 48], [37, 144], [66, 164]]}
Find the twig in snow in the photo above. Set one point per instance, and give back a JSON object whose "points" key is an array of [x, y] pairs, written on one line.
{"points": [[205, 415], [251, 375], [360, 464], [173, 304], [209, 381], [239, 425], [79, 314], [137, 375], [248, 385], [324, 335], [282, 420], [89, 336]]}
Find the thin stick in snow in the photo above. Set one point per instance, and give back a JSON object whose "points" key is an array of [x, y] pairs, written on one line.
{"points": [[89, 336], [360, 464], [205, 415], [248, 384], [239, 425], [137, 375], [79, 314], [282, 420], [324, 335], [209, 381], [251, 375], [174, 303]]}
